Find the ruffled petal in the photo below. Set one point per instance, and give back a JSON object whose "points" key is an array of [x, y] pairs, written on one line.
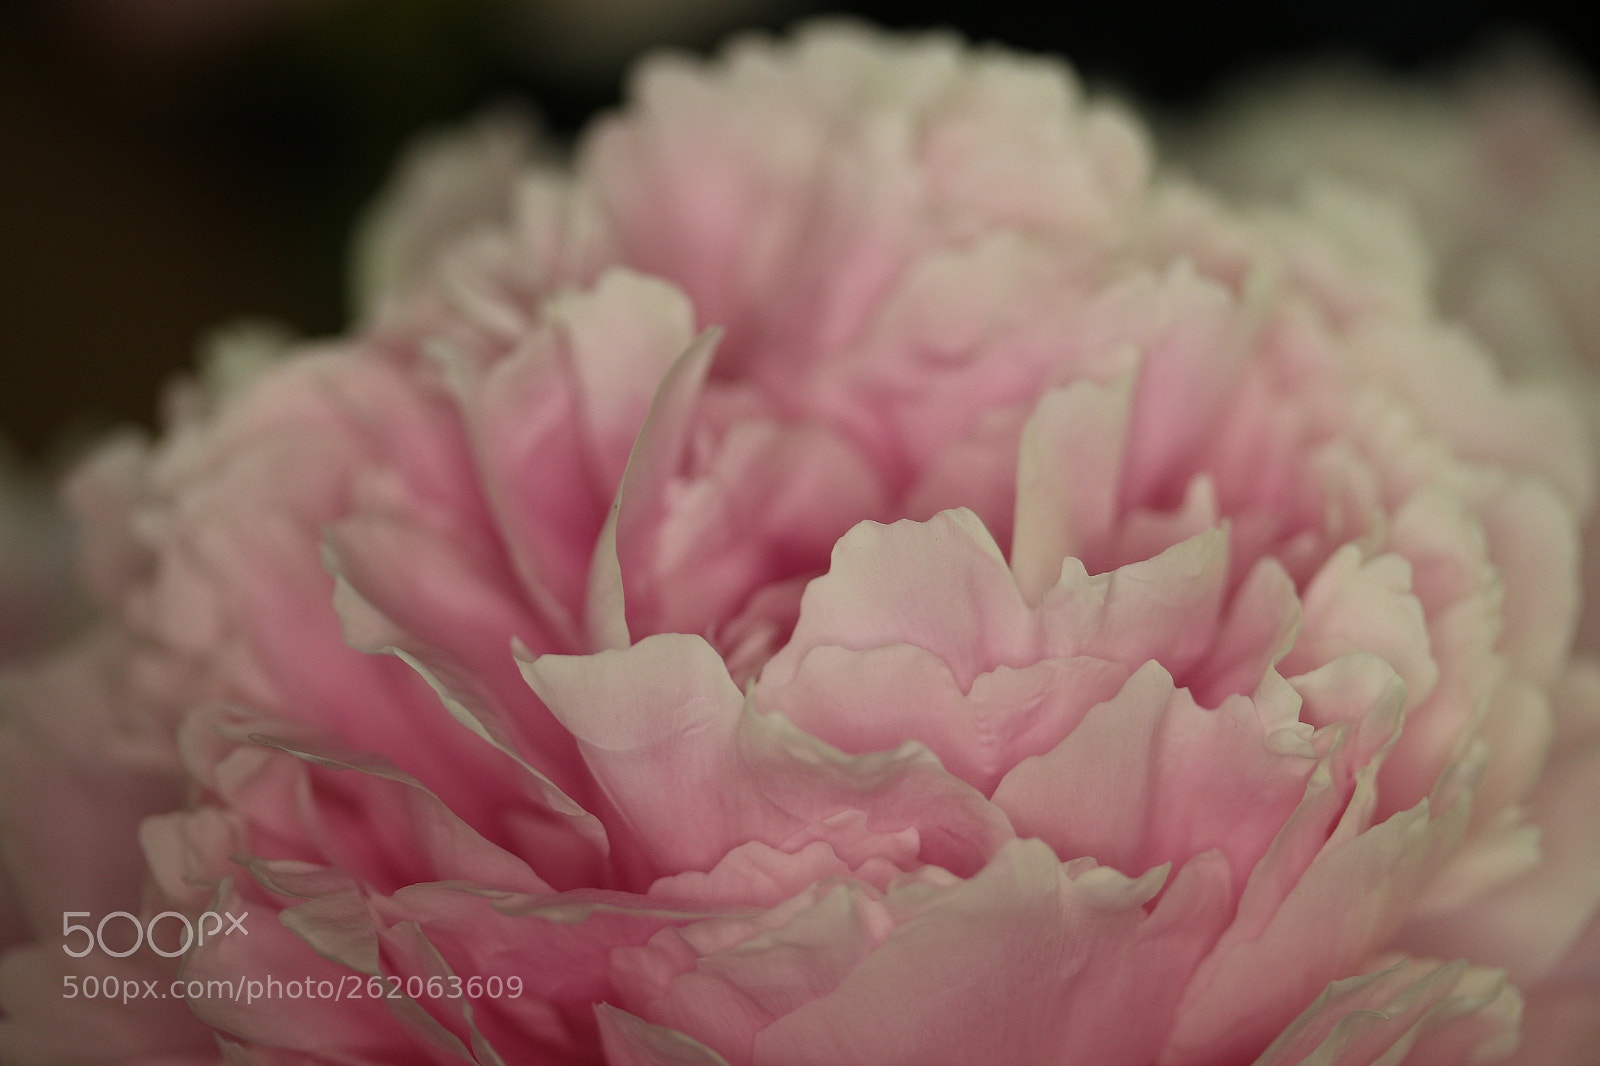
{"points": [[1109, 788], [827, 978], [663, 713], [1434, 1012]]}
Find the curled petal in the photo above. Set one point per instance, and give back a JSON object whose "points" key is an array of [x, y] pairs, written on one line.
{"points": [[1441, 1012], [692, 771]]}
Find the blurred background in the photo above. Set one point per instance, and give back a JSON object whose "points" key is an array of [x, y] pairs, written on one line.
{"points": [[167, 166]]}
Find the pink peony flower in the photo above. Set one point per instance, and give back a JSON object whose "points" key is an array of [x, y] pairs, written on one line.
{"points": [[853, 570]]}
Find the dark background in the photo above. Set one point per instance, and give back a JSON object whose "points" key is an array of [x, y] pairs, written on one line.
{"points": [[155, 185]]}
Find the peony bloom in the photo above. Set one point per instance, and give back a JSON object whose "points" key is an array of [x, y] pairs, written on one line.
{"points": [[852, 570]]}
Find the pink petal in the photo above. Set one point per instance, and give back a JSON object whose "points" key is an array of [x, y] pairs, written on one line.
{"points": [[942, 585], [1011, 965], [762, 505], [361, 1025], [631, 1041], [1164, 608], [1356, 604], [1109, 788], [1529, 925], [1068, 480], [400, 585], [691, 772], [1430, 1011], [1310, 922], [626, 542], [874, 700]]}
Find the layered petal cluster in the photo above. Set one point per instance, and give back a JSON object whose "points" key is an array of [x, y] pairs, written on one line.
{"points": [[853, 569], [1500, 165]]}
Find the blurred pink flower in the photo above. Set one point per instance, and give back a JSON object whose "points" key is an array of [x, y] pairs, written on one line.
{"points": [[38, 603], [853, 570], [1500, 165]]}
